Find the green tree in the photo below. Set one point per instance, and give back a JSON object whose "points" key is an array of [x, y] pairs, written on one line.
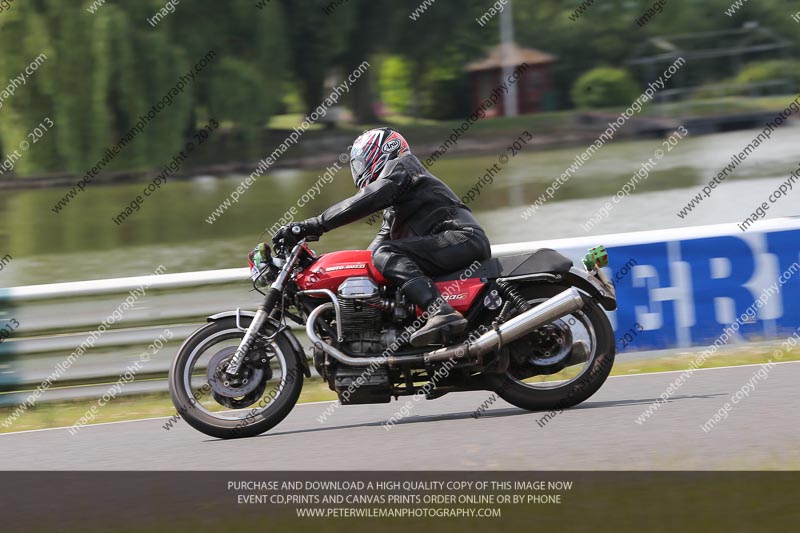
{"points": [[126, 99], [395, 83], [604, 87], [314, 41], [437, 46], [25, 31]]}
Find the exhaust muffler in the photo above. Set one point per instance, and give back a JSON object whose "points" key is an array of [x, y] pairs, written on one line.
{"points": [[517, 327]]}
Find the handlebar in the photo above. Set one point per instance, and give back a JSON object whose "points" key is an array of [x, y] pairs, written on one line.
{"points": [[284, 246]]}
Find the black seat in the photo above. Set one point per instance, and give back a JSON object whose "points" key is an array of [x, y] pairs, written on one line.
{"points": [[542, 260], [487, 269]]}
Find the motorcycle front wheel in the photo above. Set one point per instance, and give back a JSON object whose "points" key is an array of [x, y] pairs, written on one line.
{"points": [[261, 397]]}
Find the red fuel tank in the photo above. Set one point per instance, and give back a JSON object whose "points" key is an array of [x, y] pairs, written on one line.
{"points": [[331, 269]]}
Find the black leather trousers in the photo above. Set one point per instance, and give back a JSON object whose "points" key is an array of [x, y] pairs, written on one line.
{"points": [[403, 260]]}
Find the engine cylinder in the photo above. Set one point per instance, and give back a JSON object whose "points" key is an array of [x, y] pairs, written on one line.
{"points": [[361, 307]]}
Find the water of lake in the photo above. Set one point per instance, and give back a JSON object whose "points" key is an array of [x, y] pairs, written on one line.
{"points": [[83, 242]]}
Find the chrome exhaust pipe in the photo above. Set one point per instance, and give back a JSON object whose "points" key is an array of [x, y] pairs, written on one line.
{"points": [[517, 327], [386, 358]]}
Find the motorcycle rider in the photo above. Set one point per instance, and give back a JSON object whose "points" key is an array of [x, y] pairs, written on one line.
{"points": [[426, 229]]}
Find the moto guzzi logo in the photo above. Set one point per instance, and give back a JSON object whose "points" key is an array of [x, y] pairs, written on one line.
{"points": [[344, 267]]}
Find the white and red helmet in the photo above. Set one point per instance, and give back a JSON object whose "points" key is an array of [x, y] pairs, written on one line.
{"points": [[372, 150]]}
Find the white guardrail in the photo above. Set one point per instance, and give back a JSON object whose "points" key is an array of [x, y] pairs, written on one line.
{"points": [[55, 319]]}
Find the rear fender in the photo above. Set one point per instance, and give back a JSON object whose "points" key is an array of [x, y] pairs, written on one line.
{"points": [[598, 288], [247, 316]]}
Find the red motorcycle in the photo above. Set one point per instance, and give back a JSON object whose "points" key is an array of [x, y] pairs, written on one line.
{"points": [[537, 337]]}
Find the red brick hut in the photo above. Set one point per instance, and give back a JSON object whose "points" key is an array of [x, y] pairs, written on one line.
{"points": [[534, 86]]}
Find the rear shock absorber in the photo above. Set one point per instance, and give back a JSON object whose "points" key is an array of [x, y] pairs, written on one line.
{"points": [[513, 300]]}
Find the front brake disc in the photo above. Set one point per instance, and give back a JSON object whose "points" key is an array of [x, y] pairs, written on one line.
{"points": [[222, 384]]}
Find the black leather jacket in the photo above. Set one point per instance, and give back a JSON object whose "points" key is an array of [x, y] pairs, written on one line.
{"points": [[414, 203]]}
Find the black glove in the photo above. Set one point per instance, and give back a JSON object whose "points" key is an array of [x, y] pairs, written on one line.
{"points": [[297, 230]]}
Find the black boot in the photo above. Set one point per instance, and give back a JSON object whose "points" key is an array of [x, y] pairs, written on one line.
{"points": [[443, 321]]}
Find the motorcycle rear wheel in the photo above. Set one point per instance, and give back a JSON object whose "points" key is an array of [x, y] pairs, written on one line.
{"points": [[569, 392]]}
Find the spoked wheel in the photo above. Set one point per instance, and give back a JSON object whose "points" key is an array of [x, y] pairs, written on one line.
{"points": [[560, 364], [262, 395]]}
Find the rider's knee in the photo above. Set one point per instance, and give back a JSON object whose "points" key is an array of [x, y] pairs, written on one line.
{"points": [[380, 257]]}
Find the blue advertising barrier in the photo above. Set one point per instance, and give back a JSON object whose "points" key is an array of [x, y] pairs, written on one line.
{"points": [[684, 287]]}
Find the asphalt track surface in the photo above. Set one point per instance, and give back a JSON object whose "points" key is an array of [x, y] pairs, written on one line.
{"points": [[760, 432]]}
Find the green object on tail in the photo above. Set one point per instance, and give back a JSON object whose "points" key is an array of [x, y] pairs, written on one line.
{"points": [[597, 257]]}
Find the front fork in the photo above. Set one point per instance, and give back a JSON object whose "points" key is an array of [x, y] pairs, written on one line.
{"points": [[270, 301], [247, 341]]}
